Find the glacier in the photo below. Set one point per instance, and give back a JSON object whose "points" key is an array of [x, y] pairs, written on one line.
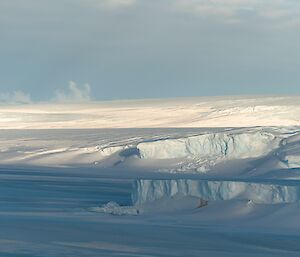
{"points": [[198, 150], [172, 177], [145, 191], [217, 145], [240, 135], [209, 149]]}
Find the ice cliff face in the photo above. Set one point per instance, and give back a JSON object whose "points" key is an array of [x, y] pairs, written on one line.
{"points": [[289, 153], [224, 151], [150, 190], [209, 149], [233, 146]]}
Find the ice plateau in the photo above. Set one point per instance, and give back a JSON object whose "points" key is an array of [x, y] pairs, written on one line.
{"points": [[238, 134]]}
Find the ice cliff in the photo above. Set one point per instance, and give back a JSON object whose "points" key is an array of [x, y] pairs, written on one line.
{"points": [[223, 145], [150, 190], [209, 149]]}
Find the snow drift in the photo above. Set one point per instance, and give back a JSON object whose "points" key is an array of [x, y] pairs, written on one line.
{"points": [[115, 209]]}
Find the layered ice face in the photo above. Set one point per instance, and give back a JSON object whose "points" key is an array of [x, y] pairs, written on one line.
{"points": [[202, 152], [223, 152], [145, 191], [214, 145]]}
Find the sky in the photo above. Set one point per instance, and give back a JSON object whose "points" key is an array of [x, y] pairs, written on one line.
{"points": [[82, 50]]}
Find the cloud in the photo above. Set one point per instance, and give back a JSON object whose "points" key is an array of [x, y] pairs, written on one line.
{"points": [[74, 93], [112, 4], [241, 9], [15, 97]]}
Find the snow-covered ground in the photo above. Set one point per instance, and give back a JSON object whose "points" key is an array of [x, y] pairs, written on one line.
{"points": [[65, 212], [180, 177], [217, 152], [162, 113]]}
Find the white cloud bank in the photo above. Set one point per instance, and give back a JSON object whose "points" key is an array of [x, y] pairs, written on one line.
{"points": [[232, 10], [16, 97], [74, 93], [113, 3], [240, 10]]}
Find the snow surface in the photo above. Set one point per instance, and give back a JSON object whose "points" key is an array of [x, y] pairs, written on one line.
{"points": [[210, 112], [177, 177], [220, 151], [53, 212], [115, 209]]}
